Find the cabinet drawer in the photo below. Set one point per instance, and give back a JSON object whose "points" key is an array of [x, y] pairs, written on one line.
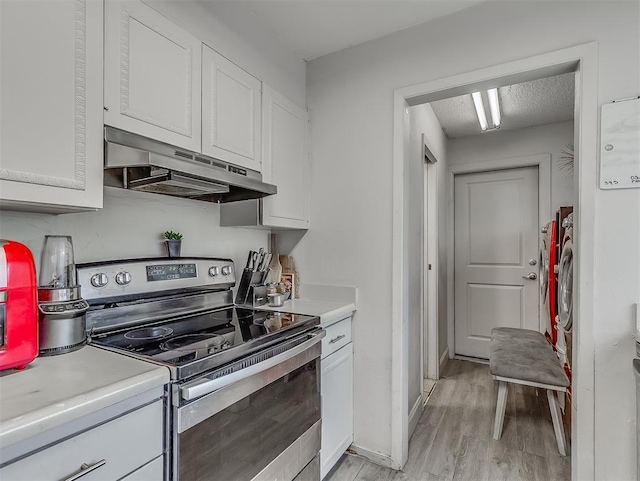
{"points": [[124, 444], [338, 335], [152, 471]]}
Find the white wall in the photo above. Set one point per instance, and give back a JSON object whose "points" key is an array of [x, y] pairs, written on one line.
{"points": [[541, 139], [131, 225], [350, 94]]}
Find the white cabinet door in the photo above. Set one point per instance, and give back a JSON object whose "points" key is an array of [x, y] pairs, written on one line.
{"points": [[111, 450], [337, 407], [152, 75], [285, 161], [51, 154], [230, 111]]}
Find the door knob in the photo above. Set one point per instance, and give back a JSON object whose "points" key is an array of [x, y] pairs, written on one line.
{"points": [[532, 276]]}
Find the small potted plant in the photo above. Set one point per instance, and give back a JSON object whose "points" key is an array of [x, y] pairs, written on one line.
{"points": [[174, 243]]}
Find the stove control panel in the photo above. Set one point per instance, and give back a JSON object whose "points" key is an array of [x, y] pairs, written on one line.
{"points": [[131, 277]]}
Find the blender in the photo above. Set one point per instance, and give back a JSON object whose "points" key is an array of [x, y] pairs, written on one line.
{"points": [[62, 323]]}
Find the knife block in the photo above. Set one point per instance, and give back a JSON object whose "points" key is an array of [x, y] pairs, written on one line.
{"points": [[251, 289]]}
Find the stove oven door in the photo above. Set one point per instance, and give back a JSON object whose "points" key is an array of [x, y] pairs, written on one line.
{"points": [[261, 422]]}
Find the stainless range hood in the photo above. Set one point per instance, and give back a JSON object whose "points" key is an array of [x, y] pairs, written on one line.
{"points": [[138, 163]]}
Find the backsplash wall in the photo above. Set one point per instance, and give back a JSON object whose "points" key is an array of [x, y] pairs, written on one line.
{"points": [[131, 225]]}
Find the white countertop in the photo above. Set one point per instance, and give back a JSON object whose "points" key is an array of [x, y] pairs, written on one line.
{"points": [[330, 312], [54, 390]]}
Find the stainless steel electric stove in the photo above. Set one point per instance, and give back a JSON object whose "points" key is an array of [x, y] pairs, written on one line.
{"points": [[231, 367]]}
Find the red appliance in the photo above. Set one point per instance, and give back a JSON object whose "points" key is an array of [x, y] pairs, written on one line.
{"points": [[549, 260], [18, 306], [553, 289]]}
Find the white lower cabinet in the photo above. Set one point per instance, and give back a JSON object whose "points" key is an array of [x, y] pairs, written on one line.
{"points": [[121, 447], [337, 394]]}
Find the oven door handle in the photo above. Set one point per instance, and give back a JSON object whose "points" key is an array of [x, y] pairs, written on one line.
{"points": [[205, 386]]}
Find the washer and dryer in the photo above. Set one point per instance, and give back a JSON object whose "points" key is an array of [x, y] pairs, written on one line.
{"points": [[565, 287], [556, 290], [564, 344]]}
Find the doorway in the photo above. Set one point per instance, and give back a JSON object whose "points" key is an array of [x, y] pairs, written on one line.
{"points": [[581, 60]]}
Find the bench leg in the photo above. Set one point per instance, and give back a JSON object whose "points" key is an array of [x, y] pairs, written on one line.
{"points": [[501, 406], [557, 423]]}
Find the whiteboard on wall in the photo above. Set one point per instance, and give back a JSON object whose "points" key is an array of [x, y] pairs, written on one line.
{"points": [[620, 145]]}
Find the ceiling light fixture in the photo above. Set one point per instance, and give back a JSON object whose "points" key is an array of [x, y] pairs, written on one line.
{"points": [[494, 107], [482, 117]]}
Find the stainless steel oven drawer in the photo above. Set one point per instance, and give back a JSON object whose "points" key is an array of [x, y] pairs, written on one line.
{"points": [[293, 460], [265, 426]]}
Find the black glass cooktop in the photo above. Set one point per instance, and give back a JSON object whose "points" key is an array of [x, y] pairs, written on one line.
{"points": [[227, 334]]}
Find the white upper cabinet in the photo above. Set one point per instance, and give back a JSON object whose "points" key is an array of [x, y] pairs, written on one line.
{"points": [[230, 111], [285, 161], [152, 75], [51, 154]]}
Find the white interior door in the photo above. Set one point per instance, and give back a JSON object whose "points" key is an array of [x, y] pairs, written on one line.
{"points": [[496, 237]]}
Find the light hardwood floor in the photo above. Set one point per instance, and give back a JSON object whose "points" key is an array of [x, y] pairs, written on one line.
{"points": [[453, 440]]}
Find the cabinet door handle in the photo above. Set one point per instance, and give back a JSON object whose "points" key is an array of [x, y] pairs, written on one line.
{"points": [[337, 338], [86, 469]]}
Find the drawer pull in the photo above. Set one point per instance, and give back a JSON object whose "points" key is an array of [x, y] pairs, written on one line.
{"points": [[337, 338], [86, 469]]}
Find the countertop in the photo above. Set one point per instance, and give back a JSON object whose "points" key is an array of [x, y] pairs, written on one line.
{"points": [[330, 312], [54, 390]]}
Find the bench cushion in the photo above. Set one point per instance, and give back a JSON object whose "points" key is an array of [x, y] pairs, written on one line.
{"points": [[525, 355]]}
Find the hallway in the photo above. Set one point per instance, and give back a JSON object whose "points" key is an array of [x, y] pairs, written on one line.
{"points": [[453, 438]]}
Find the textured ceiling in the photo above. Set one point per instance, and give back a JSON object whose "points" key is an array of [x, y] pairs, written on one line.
{"points": [[526, 104], [313, 28]]}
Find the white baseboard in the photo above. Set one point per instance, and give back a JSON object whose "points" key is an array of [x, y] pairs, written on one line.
{"points": [[444, 359], [414, 415], [373, 456]]}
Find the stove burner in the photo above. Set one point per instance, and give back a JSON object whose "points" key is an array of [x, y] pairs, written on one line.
{"points": [[227, 315], [193, 342], [147, 333]]}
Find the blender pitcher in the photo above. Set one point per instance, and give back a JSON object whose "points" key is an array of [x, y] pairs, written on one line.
{"points": [[57, 265], [62, 322]]}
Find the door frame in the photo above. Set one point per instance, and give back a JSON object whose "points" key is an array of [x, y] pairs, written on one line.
{"points": [[583, 60], [543, 163]]}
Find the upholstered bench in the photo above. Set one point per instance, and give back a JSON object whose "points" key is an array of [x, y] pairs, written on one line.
{"points": [[522, 356]]}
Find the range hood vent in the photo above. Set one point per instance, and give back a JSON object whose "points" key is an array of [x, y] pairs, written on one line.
{"points": [[138, 163]]}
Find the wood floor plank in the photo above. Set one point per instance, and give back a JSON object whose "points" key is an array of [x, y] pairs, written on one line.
{"points": [[530, 423], [440, 459], [431, 477], [373, 472], [453, 439], [419, 445], [479, 423], [531, 467], [346, 469], [437, 403], [472, 461]]}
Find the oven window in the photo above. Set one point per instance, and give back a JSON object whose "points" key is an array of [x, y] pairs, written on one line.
{"points": [[240, 441]]}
